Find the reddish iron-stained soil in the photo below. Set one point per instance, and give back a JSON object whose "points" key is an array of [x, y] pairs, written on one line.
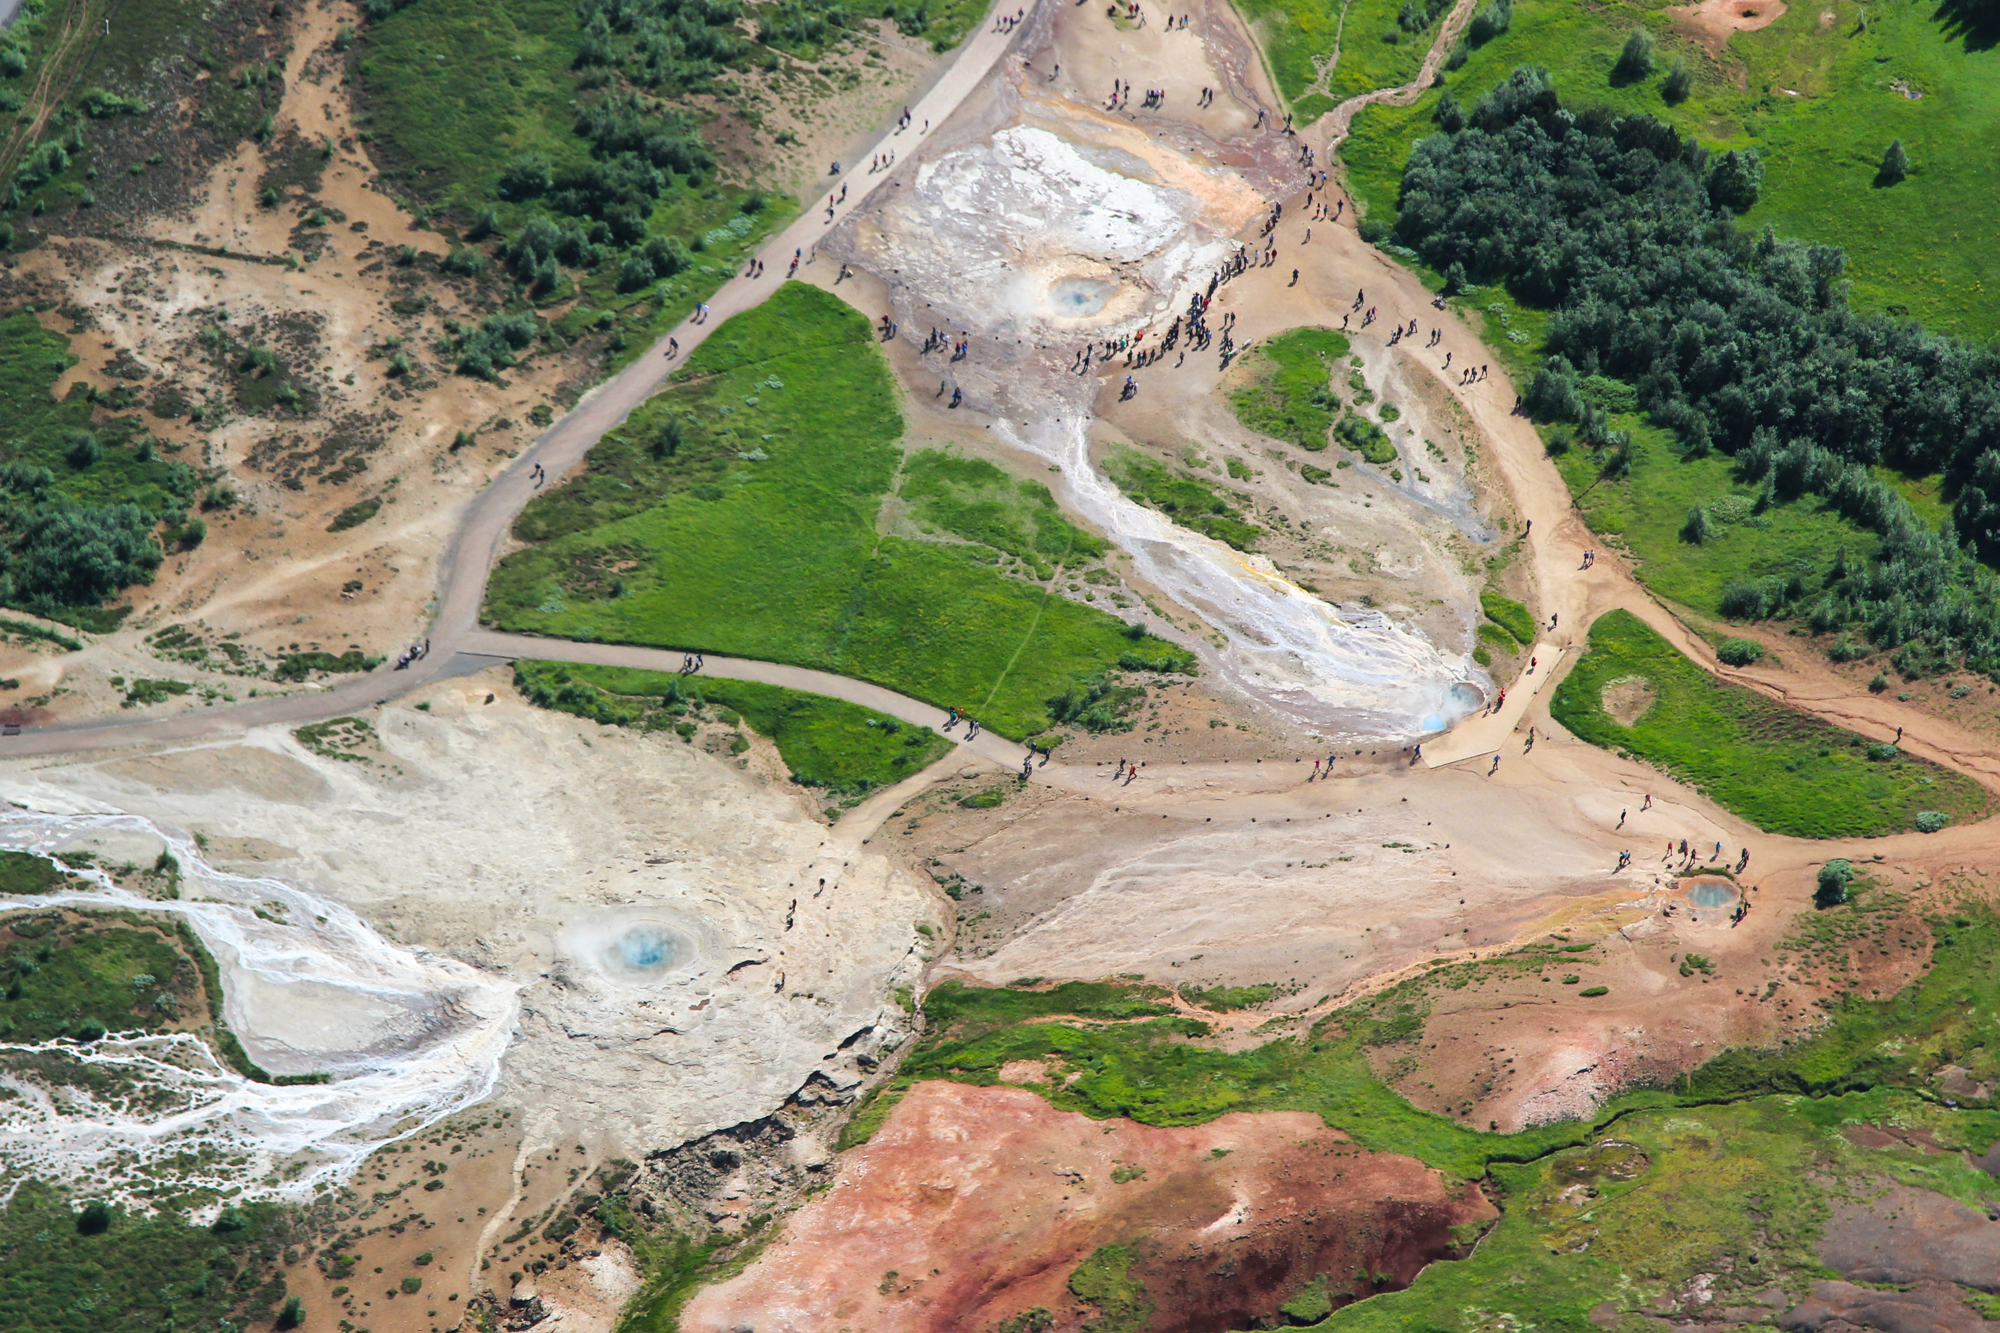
{"points": [[971, 1205]]}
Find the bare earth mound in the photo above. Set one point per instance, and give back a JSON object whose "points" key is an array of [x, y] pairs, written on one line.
{"points": [[1713, 21], [973, 1205]]}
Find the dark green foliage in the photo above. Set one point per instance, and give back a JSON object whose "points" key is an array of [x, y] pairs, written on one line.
{"points": [[117, 980], [1895, 165], [100, 1267], [101, 105], [300, 666], [1782, 770], [1623, 230], [1190, 502], [1735, 178], [1834, 877], [24, 872], [489, 349], [354, 515], [1417, 17], [1366, 438], [1739, 652], [1635, 60], [1697, 530], [1095, 705], [1493, 18], [1677, 85]]}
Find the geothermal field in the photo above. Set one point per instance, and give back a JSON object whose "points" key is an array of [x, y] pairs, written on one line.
{"points": [[1073, 670]]}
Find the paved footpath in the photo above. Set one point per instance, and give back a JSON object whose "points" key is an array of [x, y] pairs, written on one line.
{"points": [[469, 558]]}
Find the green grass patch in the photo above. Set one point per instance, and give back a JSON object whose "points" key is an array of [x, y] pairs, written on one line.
{"points": [[735, 513], [1289, 395], [973, 499], [1190, 502], [1510, 616], [1105, 1281], [84, 981], [24, 872], [1222, 999], [107, 1267], [1375, 50], [1647, 507], [1782, 770], [1923, 248], [829, 743]]}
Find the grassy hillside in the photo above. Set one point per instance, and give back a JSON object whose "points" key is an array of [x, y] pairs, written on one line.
{"points": [[1819, 100], [1783, 770], [736, 513]]}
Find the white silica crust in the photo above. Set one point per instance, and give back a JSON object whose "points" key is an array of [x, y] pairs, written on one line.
{"points": [[408, 1036], [1043, 242]]}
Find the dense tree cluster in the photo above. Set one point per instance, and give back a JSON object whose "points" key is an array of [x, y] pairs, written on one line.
{"points": [[1737, 342], [59, 553]]}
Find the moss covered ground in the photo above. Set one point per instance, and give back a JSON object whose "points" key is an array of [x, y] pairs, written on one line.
{"points": [[827, 743], [1820, 99], [1783, 770], [1731, 1171], [736, 513]]}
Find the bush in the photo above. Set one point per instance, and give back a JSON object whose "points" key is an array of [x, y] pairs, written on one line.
{"points": [[1930, 821], [1591, 992], [1742, 601], [464, 261], [1739, 652], [1878, 682], [1635, 62], [95, 1219], [1494, 17], [1735, 179], [1882, 752], [1895, 164], [82, 450], [1678, 85], [1696, 530], [1834, 878]]}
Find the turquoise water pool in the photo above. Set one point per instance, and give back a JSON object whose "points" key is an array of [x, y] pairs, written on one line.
{"points": [[1711, 893]]}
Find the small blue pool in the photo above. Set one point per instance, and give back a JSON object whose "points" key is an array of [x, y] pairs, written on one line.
{"points": [[1710, 891]]}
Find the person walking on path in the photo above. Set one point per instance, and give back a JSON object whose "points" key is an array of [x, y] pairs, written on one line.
{"points": [[1496, 766]]}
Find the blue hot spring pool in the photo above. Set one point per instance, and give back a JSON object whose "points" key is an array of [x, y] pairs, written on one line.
{"points": [[1078, 298], [1711, 892], [642, 952]]}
